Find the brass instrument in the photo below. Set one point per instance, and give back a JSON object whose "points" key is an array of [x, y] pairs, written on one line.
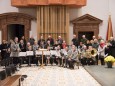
{"points": [[91, 53]]}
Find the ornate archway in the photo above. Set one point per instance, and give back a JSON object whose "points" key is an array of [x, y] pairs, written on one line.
{"points": [[86, 23], [15, 18]]}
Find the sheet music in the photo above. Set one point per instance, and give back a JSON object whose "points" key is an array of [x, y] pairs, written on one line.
{"points": [[43, 49], [22, 54], [46, 52], [64, 51], [29, 53], [53, 52], [38, 52]]}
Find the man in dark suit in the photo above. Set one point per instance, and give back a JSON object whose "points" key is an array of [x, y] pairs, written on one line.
{"points": [[51, 40], [112, 46], [75, 41]]}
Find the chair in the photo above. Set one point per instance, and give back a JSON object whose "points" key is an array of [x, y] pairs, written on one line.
{"points": [[2, 75], [8, 71], [22, 78], [13, 69]]}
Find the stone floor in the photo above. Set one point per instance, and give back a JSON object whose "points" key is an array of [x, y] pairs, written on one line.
{"points": [[56, 76]]}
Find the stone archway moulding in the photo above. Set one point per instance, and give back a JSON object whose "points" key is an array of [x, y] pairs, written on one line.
{"points": [[15, 18]]}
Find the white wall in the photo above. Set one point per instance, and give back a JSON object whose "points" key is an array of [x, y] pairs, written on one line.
{"points": [[5, 6], [99, 9]]}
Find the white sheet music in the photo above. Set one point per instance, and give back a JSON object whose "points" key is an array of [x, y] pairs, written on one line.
{"points": [[38, 52], [22, 54], [53, 52], [46, 52], [43, 49], [29, 53], [64, 51]]}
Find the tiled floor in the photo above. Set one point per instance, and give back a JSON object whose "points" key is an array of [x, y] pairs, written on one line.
{"points": [[57, 76]]}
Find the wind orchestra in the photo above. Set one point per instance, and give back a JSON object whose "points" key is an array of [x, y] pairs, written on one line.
{"points": [[85, 52]]}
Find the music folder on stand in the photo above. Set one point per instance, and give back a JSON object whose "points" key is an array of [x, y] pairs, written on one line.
{"points": [[42, 65]]}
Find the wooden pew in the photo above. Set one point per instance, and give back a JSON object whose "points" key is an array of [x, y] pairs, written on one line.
{"points": [[11, 81]]}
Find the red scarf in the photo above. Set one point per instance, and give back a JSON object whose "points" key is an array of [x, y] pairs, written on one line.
{"points": [[102, 45]]}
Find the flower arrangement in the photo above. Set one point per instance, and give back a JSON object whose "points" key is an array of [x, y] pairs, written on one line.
{"points": [[109, 59]]}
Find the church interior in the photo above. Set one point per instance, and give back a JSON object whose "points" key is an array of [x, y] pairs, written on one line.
{"points": [[57, 42]]}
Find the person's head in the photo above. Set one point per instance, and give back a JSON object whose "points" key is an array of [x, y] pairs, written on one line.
{"points": [[28, 44], [23, 37], [102, 42], [111, 38], [81, 43], [66, 48], [31, 37], [41, 37], [73, 47], [21, 41], [99, 37], [91, 41], [4, 41], [58, 47], [74, 36], [83, 36], [90, 47], [64, 41], [35, 43], [94, 37], [88, 41], [48, 42], [59, 37], [95, 41], [49, 36], [16, 39], [85, 47]]}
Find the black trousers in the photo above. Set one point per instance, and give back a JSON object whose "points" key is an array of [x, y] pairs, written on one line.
{"points": [[71, 63], [90, 61], [84, 61], [102, 60]]}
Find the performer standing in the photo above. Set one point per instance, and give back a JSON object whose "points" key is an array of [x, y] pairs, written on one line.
{"points": [[112, 47], [35, 47], [84, 39], [15, 49], [29, 58], [41, 42], [101, 51], [3, 49], [31, 40], [60, 41], [75, 41], [51, 40]]}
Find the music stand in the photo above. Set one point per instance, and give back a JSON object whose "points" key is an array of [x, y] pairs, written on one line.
{"points": [[42, 65]]}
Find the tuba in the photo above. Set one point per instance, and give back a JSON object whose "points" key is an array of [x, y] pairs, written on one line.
{"points": [[91, 53]]}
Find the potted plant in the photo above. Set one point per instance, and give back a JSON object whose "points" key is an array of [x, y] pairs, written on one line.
{"points": [[109, 60]]}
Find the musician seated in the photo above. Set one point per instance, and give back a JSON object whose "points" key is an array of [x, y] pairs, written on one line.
{"points": [[64, 56], [72, 57], [90, 56], [29, 58], [83, 57]]}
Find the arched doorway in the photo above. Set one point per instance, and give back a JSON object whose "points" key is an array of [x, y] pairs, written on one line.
{"points": [[13, 22], [15, 30]]}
